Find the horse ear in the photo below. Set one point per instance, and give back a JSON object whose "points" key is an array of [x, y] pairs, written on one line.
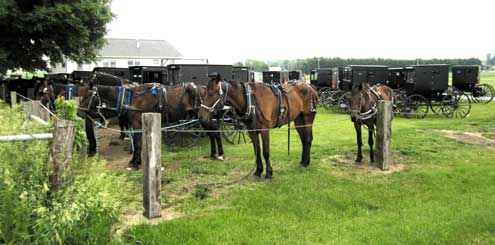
{"points": [[218, 77]]}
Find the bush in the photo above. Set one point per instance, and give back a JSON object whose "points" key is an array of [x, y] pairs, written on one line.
{"points": [[83, 211]]}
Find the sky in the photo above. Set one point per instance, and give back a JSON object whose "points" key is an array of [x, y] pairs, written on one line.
{"points": [[229, 31]]}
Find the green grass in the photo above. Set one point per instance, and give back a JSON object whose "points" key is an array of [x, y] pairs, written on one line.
{"points": [[488, 77], [445, 194]]}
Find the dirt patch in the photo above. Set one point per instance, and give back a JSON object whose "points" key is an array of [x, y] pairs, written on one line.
{"points": [[472, 138], [346, 162], [114, 150]]}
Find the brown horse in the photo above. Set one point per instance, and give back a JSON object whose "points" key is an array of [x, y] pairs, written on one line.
{"points": [[47, 91], [363, 111], [111, 99], [259, 107]]}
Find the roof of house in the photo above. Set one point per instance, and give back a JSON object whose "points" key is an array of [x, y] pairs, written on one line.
{"points": [[117, 47]]}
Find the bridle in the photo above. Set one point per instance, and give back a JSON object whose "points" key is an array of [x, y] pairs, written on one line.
{"points": [[363, 116], [221, 100]]}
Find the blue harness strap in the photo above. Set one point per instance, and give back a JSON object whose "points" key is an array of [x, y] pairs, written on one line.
{"points": [[128, 96], [119, 99], [154, 91], [274, 89]]}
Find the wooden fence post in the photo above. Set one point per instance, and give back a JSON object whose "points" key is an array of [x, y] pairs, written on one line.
{"points": [[13, 98], [61, 153], [40, 111], [151, 159], [383, 134], [28, 108]]}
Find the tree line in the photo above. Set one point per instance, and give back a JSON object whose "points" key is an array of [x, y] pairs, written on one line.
{"points": [[306, 65]]}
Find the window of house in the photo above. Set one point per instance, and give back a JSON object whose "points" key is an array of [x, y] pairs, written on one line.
{"points": [[105, 64], [137, 62], [79, 66], [156, 62], [130, 62], [113, 63]]}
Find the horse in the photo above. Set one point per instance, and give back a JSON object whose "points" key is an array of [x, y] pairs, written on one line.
{"points": [[262, 107], [47, 91], [364, 99], [111, 99]]}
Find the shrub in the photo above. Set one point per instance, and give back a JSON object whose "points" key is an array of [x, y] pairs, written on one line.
{"points": [[82, 212]]}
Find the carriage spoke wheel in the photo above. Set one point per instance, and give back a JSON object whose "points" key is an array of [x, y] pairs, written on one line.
{"points": [[186, 139], [456, 105], [483, 93], [344, 103], [233, 130], [436, 107], [415, 106], [329, 99], [399, 98]]}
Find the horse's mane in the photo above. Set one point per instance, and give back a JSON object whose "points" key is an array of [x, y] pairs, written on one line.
{"points": [[101, 78]]}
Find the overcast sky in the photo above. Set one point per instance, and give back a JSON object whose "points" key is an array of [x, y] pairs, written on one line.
{"points": [[228, 31]]}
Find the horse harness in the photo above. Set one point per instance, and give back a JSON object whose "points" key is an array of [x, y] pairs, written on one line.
{"points": [[371, 112]]}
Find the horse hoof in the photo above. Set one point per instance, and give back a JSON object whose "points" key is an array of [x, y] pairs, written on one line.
{"points": [[268, 176], [257, 174], [220, 158], [91, 154], [213, 157], [357, 162]]}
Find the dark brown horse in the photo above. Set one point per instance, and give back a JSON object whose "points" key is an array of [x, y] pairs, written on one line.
{"points": [[47, 91], [261, 109], [364, 101], [106, 100]]}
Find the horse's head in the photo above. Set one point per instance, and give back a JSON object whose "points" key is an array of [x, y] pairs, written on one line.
{"points": [[98, 100], [44, 92], [359, 100], [214, 96]]}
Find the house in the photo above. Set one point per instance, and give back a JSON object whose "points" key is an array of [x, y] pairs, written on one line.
{"points": [[128, 52]]}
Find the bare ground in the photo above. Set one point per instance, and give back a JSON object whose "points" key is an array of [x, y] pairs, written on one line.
{"points": [[472, 138]]}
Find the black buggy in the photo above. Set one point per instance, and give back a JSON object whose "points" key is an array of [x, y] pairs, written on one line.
{"points": [[421, 88], [275, 77], [242, 74], [149, 74], [467, 79], [358, 74]]}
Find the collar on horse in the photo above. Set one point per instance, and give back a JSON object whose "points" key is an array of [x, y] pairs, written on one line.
{"points": [[222, 98]]}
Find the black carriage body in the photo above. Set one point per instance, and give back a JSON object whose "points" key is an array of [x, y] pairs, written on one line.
{"points": [[24, 87], [225, 71], [465, 78], [321, 77], [197, 73], [399, 77], [114, 71], [81, 76], [242, 74], [275, 76], [59, 77], [429, 80], [372, 75], [148, 74], [295, 75]]}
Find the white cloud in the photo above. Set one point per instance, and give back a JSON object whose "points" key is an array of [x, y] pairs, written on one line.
{"points": [[228, 31]]}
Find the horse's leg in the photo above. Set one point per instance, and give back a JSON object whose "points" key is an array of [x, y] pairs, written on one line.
{"points": [[90, 134], [218, 138], [357, 126], [371, 129], [265, 137], [305, 130], [256, 145], [213, 151], [122, 124], [136, 140]]}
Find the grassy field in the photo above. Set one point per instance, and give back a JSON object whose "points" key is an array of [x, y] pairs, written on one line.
{"points": [[441, 190]]}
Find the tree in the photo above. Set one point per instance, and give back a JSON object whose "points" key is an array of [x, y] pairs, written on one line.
{"points": [[35, 33]]}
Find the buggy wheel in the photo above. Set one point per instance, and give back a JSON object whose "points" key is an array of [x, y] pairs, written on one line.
{"points": [[233, 130], [436, 107], [456, 105], [415, 106], [399, 98], [186, 139], [330, 98], [344, 103], [483, 93]]}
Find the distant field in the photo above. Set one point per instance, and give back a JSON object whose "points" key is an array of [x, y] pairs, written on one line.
{"points": [[488, 77]]}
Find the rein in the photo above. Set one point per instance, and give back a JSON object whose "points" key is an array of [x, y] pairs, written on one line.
{"points": [[363, 116]]}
